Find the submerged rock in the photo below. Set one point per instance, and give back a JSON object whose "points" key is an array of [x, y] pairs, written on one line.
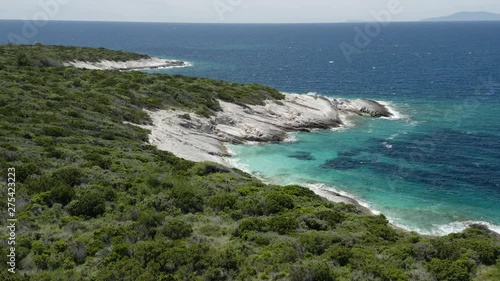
{"points": [[302, 155]]}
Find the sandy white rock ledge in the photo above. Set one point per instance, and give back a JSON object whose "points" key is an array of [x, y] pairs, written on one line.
{"points": [[197, 138], [148, 63]]}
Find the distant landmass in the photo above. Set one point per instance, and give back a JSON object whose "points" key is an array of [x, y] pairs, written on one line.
{"points": [[468, 16]]}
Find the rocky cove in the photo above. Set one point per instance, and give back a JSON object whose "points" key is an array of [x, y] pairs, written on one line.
{"points": [[197, 138]]}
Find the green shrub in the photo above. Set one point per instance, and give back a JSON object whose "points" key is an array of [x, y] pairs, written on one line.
{"points": [[187, 200], [54, 131], [340, 255], [150, 219], [222, 201], [487, 253], [312, 271], [60, 245], [70, 175], [5, 275], [207, 168], [277, 202], [98, 160], [42, 198], [332, 217], [314, 223], [253, 205], [298, 191], [248, 190], [385, 232], [22, 59], [316, 242], [95, 246], [176, 229], [62, 193], [423, 251], [488, 273], [449, 271], [126, 269], [89, 204], [251, 224], [159, 202], [283, 224], [172, 258], [120, 251], [23, 172], [261, 239]]}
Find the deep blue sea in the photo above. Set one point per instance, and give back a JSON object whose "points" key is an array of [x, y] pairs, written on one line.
{"points": [[434, 169]]}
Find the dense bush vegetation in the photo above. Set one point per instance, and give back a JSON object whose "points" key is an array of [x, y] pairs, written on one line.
{"points": [[26, 55], [95, 202]]}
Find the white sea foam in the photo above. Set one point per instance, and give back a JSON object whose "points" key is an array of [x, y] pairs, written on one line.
{"points": [[229, 150], [323, 189], [236, 162], [456, 227], [392, 136], [387, 145], [253, 143], [347, 122], [312, 94], [437, 230], [186, 64], [291, 137], [308, 93], [445, 229], [396, 114]]}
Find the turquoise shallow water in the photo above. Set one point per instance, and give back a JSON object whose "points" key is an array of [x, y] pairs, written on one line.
{"points": [[434, 170], [416, 170]]}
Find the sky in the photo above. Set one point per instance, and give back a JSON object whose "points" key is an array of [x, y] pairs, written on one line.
{"points": [[239, 11]]}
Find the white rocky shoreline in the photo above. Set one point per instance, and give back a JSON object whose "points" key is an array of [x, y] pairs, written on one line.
{"points": [[198, 139], [142, 64]]}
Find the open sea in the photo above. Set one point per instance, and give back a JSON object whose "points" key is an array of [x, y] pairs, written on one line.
{"points": [[433, 169]]}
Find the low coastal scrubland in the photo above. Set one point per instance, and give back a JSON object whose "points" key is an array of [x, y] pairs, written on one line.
{"points": [[97, 201]]}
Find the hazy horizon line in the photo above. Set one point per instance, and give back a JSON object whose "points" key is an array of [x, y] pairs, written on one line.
{"points": [[250, 23]]}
